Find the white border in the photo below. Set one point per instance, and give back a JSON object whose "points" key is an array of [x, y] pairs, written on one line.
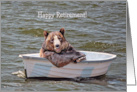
{"points": [[133, 25]]}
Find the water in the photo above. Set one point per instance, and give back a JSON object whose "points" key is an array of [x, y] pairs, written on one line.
{"points": [[103, 30]]}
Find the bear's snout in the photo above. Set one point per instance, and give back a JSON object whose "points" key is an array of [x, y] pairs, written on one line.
{"points": [[57, 46]]}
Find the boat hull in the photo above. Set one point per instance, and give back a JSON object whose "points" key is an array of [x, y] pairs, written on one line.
{"points": [[41, 67]]}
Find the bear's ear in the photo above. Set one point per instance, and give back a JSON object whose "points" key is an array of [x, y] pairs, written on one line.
{"points": [[62, 31], [45, 33]]}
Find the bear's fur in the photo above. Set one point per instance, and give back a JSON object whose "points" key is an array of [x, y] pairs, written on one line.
{"points": [[57, 49]]}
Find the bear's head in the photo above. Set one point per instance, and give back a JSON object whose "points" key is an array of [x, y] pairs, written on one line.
{"points": [[55, 41]]}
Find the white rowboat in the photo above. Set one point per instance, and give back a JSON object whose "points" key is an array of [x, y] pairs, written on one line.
{"points": [[96, 64]]}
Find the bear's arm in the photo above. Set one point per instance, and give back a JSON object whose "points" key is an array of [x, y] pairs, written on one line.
{"points": [[60, 60], [63, 58]]}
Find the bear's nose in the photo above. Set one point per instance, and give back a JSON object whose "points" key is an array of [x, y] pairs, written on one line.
{"points": [[57, 45]]}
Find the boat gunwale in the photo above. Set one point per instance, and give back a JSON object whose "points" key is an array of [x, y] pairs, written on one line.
{"points": [[83, 61]]}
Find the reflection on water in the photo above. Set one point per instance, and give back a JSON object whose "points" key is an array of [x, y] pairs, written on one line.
{"points": [[103, 30]]}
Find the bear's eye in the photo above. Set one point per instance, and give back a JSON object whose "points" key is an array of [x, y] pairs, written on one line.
{"points": [[52, 40], [60, 38]]}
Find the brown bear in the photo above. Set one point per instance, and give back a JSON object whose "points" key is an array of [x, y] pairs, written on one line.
{"points": [[58, 50]]}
